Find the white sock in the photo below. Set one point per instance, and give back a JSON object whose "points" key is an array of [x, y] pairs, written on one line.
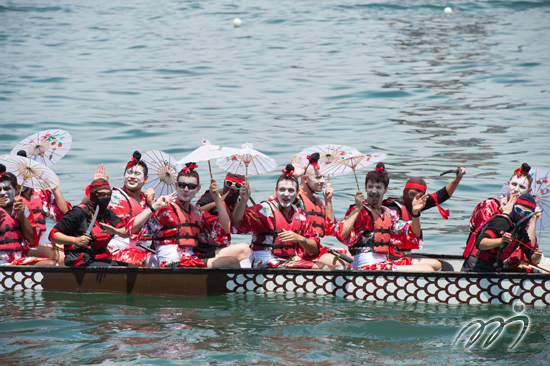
{"points": [[245, 263]]}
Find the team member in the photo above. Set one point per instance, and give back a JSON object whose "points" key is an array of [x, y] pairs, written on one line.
{"points": [[282, 235], [175, 224], [321, 215], [220, 245], [494, 246], [81, 249], [17, 230], [374, 231], [126, 203], [518, 184]]}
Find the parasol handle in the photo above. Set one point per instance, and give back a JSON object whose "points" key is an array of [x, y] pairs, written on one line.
{"points": [[156, 185], [246, 176], [356, 181], [539, 267], [210, 169], [21, 188]]}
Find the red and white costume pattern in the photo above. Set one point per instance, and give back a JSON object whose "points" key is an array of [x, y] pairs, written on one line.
{"points": [[173, 251], [263, 221], [43, 204], [401, 236], [127, 249]]}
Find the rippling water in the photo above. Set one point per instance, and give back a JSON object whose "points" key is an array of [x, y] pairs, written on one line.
{"points": [[432, 91]]}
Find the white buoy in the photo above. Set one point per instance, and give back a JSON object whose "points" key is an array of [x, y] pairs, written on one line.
{"points": [[237, 22], [448, 10]]}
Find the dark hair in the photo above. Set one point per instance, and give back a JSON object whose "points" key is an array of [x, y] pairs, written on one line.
{"points": [[7, 176], [524, 172], [137, 156], [287, 175], [189, 171], [313, 159], [380, 175]]}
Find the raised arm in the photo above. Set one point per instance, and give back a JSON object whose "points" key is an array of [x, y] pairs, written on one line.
{"points": [[225, 221], [60, 200], [328, 193], [26, 227], [417, 205], [451, 187], [238, 212], [349, 221], [159, 204]]}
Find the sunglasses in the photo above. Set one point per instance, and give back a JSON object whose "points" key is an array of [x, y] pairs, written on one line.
{"points": [[103, 194], [188, 185], [521, 211], [229, 184]]}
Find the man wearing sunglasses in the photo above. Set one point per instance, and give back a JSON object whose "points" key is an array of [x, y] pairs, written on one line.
{"points": [[175, 224], [219, 246], [495, 247], [89, 250]]}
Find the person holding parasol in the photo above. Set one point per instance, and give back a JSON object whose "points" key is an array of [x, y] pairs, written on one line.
{"points": [[373, 231]]}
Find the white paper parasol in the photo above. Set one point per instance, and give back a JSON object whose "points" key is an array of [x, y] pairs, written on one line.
{"points": [[163, 172], [247, 161], [350, 164], [208, 152], [330, 153], [46, 147], [30, 173], [541, 191]]}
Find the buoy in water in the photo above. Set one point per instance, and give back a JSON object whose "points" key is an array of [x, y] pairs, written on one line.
{"points": [[448, 10], [237, 22]]}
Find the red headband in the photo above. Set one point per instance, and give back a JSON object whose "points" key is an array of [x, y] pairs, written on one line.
{"points": [[520, 171], [418, 186], [1, 174], [131, 163], [526, 203], [190, 168], [288, 173], [236, 180], [313, 162], [379, 170], [96, 185]]}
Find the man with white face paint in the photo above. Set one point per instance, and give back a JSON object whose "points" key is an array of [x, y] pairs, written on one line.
{"points": [[373, 231], [174, 224], [282, 235], [17, 229], [518, 184], [127, 202]]}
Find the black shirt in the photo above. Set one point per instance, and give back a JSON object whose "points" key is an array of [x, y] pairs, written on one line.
{"points": [[76, 221], [442, 196]]}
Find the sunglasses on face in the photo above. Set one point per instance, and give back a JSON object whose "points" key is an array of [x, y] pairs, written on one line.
{"points": [[229, 184], [103, 194], [188, 185], [521, 211]]}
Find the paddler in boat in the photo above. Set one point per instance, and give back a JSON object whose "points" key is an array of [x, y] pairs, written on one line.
{"points": [[321, 215], [495, 246], [86, 229], [518, 184], [174, 224], [220, 245], [126, 203], [45, 203], [373, 231], [17, 225], [282, 235], [414, 187]]}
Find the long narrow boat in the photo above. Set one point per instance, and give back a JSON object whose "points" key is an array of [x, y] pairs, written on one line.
{"points": [[435, 287]]}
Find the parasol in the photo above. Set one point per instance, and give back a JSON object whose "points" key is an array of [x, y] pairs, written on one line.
{"points": [[30, 173], [247, 160], [541, 191], [208, 152], [46, 147], [330, 153], [350, 164], [163, 172]]}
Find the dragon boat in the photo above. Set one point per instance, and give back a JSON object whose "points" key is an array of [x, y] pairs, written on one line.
{"points": [[445, 287]]}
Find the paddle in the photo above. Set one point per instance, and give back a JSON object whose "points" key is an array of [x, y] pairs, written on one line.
{"points": [[337, 254], [147, 249], [456, 171]]}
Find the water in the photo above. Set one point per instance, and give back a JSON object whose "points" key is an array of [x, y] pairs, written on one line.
{"points": [[431, 91]]}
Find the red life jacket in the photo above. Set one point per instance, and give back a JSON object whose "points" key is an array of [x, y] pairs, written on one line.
{"points": [[315, 212], [100, 239], [37, 207], [278, 248], [402, 211], [483, 212], [491, 255], [11, 236], [186, 231], [379, 238]]}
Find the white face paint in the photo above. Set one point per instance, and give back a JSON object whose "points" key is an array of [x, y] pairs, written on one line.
{"points": [[518, 186], [186, 194], [134, 178], [315, 180], [375, 193], [7, 192], [286, 192]]}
